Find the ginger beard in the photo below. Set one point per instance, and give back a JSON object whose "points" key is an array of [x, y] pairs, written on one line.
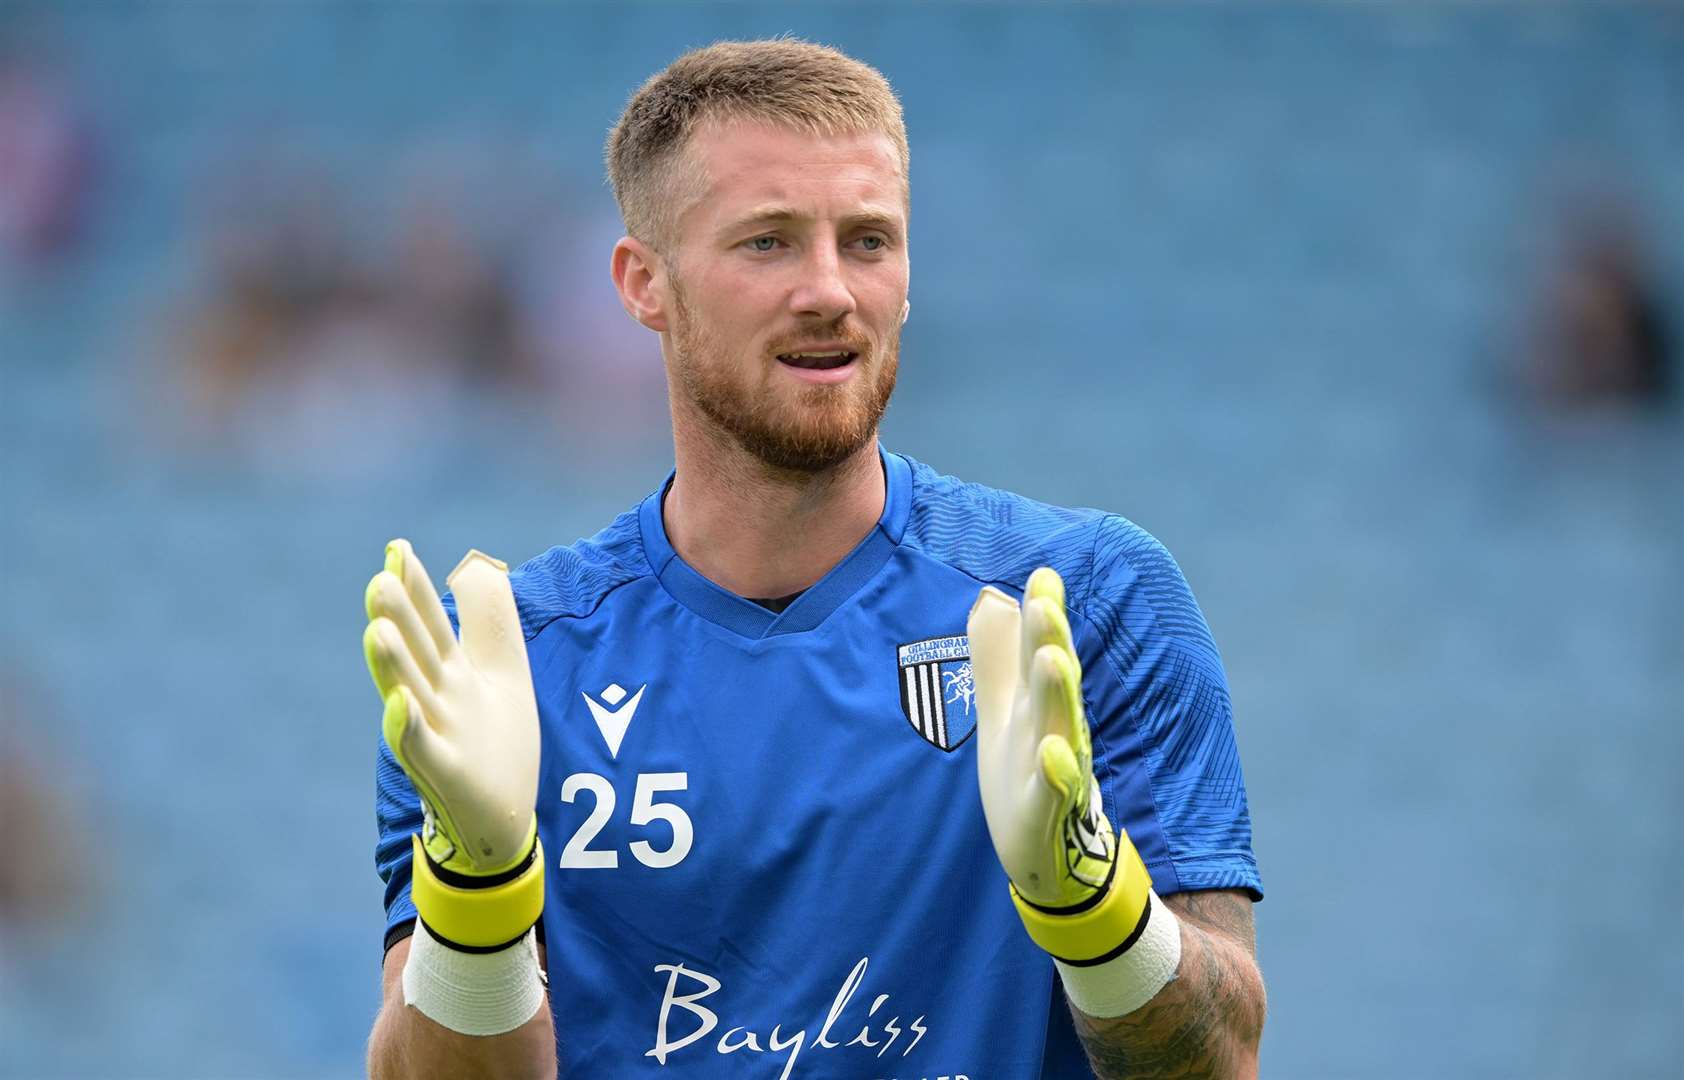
{"points": [[783, 424]]}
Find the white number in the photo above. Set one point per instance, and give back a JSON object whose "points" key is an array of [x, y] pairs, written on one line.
{"points": [[579, 855], [644, 810]]}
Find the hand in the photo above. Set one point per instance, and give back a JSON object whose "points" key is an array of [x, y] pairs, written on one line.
{"points": [[462, 721], [1081, 889]]}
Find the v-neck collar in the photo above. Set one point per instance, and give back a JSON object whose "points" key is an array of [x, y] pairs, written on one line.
{"points": [[749, 619]]}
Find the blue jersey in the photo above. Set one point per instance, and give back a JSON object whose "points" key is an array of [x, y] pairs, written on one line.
{"points": [[767, 853]]}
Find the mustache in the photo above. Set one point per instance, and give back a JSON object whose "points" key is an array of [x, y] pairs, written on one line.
{"points": [[851, 338]]}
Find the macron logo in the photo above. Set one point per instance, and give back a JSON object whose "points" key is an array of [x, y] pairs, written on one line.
{"points": [[614, 718]]}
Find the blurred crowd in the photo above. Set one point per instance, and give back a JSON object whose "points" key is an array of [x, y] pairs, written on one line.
{"points": [[318, 316], [46, 164], [313, 312], [1601, 335]]}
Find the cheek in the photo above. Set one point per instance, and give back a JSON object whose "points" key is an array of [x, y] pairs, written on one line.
{"points": [[739, 301], [885, 291]]}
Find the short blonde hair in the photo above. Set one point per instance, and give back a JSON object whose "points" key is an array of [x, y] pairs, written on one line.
{"points": [[782, 81]]}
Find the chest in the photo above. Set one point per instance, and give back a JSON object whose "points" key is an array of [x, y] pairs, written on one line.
{"points": [[668, 751]]}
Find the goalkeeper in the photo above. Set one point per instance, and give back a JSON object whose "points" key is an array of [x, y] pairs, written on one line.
{"points": [[815, 763]]}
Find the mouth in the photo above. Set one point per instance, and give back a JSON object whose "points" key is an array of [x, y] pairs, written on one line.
{"points": [[818, 359], [825, 364]]}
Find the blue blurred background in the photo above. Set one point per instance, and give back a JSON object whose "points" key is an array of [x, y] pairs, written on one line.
{"points": [[1370, 312]]}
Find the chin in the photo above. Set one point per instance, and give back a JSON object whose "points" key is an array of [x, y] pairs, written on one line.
{"points": [[809, 448]]}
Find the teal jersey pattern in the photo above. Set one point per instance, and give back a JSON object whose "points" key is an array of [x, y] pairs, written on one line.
{"points": [[766, 849]]}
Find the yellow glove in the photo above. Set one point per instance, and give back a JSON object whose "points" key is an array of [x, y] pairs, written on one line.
{"points": [[462, 721], [1082, 890]]}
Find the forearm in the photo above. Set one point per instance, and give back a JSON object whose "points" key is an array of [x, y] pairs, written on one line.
{"points": [[1208, 1021], [406, 1044]]}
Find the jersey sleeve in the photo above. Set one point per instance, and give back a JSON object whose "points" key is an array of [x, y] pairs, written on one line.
{"points": [[1164, 744], [397, 813]]}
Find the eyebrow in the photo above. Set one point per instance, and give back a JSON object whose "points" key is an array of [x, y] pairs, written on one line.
{"points": [[777, 215]]}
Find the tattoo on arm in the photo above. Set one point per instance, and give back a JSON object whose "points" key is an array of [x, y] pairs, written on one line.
{"points": [[1207, 1022], [1228, 913]]}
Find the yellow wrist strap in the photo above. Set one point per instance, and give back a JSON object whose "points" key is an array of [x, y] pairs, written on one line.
{"points": [[478, 918], [1097, 933]]}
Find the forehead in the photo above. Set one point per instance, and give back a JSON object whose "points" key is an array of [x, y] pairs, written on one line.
{"points": [[744, 164]]}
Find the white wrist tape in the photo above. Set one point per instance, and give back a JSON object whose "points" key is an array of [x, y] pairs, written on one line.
{"points": [[473, 993], [1125, 983]]}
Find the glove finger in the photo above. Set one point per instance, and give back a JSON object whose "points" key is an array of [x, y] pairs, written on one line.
{"points": [[393, 668], [423, 755], [1055, 694], [1060, 769], [1045, 583], [486, 612], [992, 629], [402, 561], [416, 742], [387, 598], [1045, 621], [404, 728], [1033, 855]]}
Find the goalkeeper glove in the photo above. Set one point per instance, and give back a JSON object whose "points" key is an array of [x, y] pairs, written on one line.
{"points": [[461, 719], [1082, 890]]}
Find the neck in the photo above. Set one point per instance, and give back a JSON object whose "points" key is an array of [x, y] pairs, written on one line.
{"points": [[762, 532]]}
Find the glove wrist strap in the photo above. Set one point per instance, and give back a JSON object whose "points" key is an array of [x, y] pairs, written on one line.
{"points": [[1100, 927], [471, 914]]}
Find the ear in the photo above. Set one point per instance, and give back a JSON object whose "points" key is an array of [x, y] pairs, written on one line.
{"points": [[905, 312], [640, 278]]}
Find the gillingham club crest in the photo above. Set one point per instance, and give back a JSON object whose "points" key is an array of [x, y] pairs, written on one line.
{"points": [[937, 692]]}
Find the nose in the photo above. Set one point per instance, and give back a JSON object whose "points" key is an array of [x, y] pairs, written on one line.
{"points": [[822, 291]]}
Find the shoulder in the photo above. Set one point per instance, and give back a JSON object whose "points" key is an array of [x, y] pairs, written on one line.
{"points": [[997, 537], [1000, 537], [1134, 573], [572, 580]]}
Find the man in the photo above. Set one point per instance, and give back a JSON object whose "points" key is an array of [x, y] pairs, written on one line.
{"points": [[722, 753]]}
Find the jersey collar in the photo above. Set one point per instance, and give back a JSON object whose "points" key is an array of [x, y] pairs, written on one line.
{"points": [[812, 607]]}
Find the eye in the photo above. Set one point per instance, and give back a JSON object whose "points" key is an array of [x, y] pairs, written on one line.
{"points": [[764, 243], [872, 243]]}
